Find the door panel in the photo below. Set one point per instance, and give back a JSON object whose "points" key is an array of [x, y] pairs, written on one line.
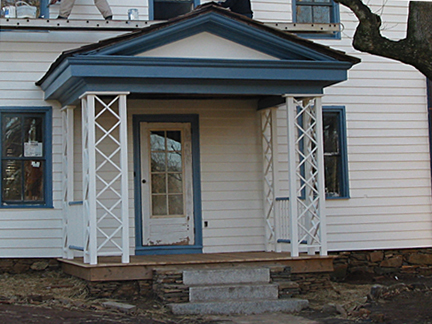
{"points": [[167, 193]]}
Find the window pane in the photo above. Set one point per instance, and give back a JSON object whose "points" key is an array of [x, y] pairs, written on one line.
{"points": [[174, 161], [331, 165], [158, 162], [331, 133], [157, 141], [12, 180], [33, 129], [159, 207], [175, 183], [12, 141], [321, 14], [33, 181], [304, 14], [158, 184], [175, 203], [164, 10], [174, 140]]}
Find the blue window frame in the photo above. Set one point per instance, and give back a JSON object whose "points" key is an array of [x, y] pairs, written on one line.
{"points": [[167, 9], [25, 149], [335, 152], [316, 11]]}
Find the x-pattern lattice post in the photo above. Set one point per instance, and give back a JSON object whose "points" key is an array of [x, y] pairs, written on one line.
{"points": [[268, 137], [306, 174], [105, 172], [67, 175]]}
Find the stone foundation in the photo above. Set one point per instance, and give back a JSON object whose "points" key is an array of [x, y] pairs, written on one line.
{"points": [[23, 265], [120, 289], [383, 262]]}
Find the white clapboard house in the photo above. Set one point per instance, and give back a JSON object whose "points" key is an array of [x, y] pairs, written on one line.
{"points": [[198, 132]]}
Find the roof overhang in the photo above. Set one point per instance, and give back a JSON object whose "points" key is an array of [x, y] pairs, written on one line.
{"points": [[300, 66]]}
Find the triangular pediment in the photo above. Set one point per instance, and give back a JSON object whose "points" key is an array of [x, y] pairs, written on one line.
{"points": [[208, 46], [213, 33], [209, 52]]}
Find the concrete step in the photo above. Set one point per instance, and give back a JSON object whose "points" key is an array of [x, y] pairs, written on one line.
{"points": [[233, 292], [202, 277], [240, 307]]}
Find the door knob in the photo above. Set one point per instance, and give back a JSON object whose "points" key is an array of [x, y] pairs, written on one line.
{"points": [[143, 180]]}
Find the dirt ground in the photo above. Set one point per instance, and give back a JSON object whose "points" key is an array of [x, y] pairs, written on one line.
{"points": [[52, 297]]}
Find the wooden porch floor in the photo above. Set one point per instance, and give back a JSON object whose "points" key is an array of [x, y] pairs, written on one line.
{"points": [[141, 267]]}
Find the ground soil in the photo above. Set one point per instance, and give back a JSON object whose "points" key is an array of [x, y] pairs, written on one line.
{"points": [[53, 297]]}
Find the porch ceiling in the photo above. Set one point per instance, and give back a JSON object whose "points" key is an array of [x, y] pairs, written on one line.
{"points": [[297, 65]]}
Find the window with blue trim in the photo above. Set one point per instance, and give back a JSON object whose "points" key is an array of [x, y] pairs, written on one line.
{"points": [[335, 152], [167, 9], [24, 9], [315, 11], [25, 157]]}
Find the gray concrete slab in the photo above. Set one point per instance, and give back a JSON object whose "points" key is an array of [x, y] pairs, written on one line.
{"points": [[268, 318], [240, 307], [233, 292], [225, 276]]}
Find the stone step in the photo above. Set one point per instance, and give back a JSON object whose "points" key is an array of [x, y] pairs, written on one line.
{"points": [[202, 277], [240, 307], [233, 292]]}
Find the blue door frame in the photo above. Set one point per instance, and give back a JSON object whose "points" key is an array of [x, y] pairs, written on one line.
{"points": [[196, 180]]}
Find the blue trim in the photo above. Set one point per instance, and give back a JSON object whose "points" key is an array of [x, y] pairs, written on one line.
{"points": [[289, 241], [187, 76], [196, 175], [74, 247], [221, 26], [343, 172], [75, 203], [47, 147], [334, 18]]}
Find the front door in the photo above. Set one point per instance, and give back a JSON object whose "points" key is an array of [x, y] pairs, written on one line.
{"points": [[166, 184]]}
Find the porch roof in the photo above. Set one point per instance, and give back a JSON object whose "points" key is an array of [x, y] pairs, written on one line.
{"points": [[295, 65]]}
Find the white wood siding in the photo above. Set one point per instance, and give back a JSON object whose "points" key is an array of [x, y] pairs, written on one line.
{"points": [[24, 58], [389, 161], [388, 147]]}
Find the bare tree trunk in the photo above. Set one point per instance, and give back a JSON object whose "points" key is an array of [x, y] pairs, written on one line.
{"points": [[415, 49]]}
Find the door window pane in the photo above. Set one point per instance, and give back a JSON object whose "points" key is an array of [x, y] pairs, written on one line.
{"points": [[175, 203], [166, 172], [159, 207], [175, 183], [158, 184]]}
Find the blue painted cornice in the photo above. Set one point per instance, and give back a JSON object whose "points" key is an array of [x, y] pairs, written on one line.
{"points": [[111, 65]]}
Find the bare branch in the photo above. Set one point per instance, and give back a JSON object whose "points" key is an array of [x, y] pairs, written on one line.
{"points": [[415, 49]]}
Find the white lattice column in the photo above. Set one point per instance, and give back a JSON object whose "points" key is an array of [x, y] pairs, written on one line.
{"points": [[306, 174], [268, 135], [67, 174], [105, 175]]}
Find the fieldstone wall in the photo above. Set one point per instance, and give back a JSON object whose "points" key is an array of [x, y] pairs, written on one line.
{"points": [[168, 285], [383, 262], [120, 289], [14, 266]]}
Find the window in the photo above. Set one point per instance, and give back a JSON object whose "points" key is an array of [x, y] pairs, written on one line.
{"points": [[24, 9], [25, 157], [167, 9], [315, 11], [335, 152]]}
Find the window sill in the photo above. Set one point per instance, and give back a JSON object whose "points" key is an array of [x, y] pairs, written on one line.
{"points": [[26, 207]]}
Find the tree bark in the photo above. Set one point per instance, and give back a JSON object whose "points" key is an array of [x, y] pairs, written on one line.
{"points": [[415, 49]]}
